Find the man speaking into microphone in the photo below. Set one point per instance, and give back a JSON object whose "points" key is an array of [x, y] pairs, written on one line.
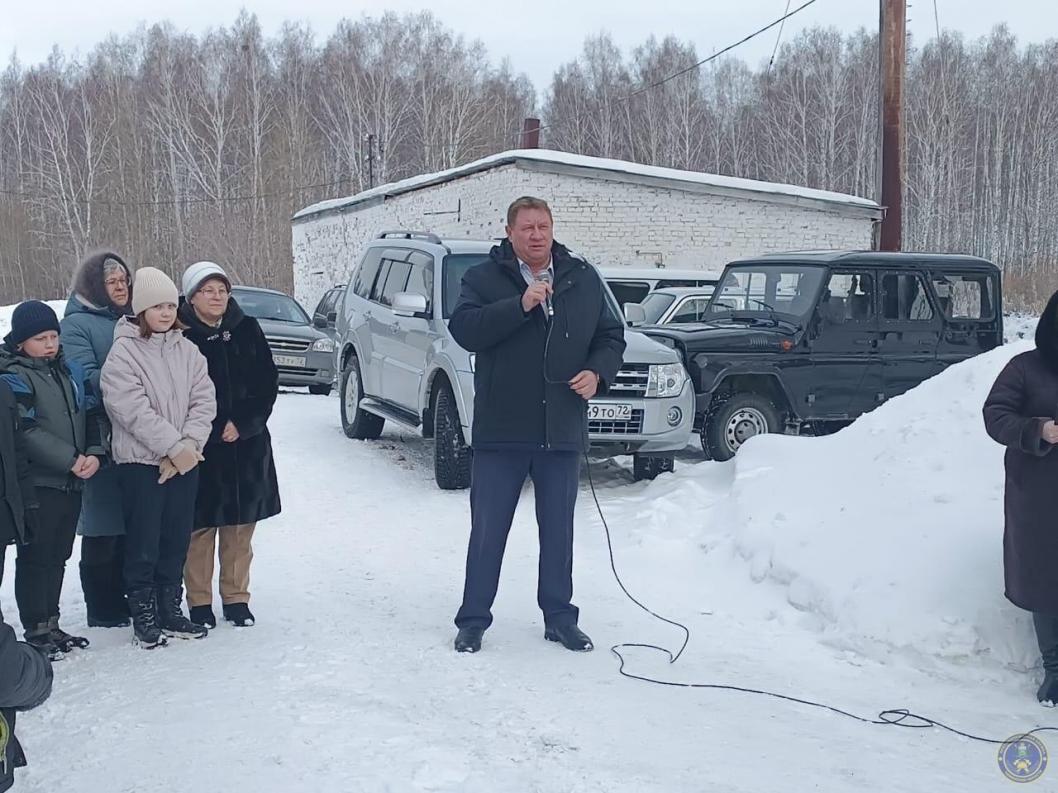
{"points": [[545, 342]]}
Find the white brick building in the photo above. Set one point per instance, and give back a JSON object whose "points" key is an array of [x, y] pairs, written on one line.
{"points": [[610, 211]]}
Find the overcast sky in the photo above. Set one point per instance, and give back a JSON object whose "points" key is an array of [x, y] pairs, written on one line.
{"points": [[537, 36]]}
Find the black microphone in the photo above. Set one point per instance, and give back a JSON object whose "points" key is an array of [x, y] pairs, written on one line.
{"points": [[544, 277]]}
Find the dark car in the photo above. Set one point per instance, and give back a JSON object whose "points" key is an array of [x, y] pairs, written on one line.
{"points": [[303, 355], [808, 342], [326, 313]]}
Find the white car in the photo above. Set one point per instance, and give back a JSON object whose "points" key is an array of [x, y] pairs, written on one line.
{"points": [[678, 305]]}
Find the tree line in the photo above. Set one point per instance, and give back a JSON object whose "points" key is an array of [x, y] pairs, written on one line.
{"points": [[171, 147]]}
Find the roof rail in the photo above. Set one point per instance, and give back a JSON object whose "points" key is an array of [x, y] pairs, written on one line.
{"points": [[408, 234]]}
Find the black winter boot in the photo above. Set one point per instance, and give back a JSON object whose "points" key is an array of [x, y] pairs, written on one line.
{"points": [[239, 615], [106, 605], [203, 615], [144, 608], [40, 638], [1047, 636], [171, 615], [63, 640]]}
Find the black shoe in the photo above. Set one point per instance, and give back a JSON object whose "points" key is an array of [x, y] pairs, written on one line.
{"points": [[203, 615], [144, 607], [571, 637], [43, 642], [63, 640], [1047, 638], [468, 640], [171, 615], [239, 615]]}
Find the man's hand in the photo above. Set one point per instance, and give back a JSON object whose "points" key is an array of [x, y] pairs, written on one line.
{"points": [[230, 434], [585, 384], [536, 294], [1050, 432]]}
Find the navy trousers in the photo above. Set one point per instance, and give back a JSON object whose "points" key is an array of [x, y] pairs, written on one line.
{"points": [[158, 520], [497, 478]]}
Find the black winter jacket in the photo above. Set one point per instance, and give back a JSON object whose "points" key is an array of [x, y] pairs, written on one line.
{"points": [[25, 682], [238, 481], [18, 497], [521, 401]]}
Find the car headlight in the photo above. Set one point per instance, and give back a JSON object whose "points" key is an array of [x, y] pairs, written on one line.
{"points": [[323, 345], [666, 380]]}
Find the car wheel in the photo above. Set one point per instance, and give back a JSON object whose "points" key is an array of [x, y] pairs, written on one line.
{"points": [[320, 390], [737, 419], [357, 423], [644, 467], [452, 456]]}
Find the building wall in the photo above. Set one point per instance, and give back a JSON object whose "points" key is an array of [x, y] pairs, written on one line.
{"points": [[609, 222]]}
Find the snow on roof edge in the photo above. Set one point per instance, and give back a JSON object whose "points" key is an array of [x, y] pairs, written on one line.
{"points": [[584, 161]]}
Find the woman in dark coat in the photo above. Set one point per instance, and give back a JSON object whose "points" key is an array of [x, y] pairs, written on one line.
{"points": [[101, 295], [1020, 413], [238, 486]]}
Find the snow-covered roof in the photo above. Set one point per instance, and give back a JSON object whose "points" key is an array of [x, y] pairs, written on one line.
{"points": [[599, 166]]}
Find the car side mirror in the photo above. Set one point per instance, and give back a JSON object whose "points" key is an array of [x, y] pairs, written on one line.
{"points": [[319, 322], [635, 314], [408, 304]]}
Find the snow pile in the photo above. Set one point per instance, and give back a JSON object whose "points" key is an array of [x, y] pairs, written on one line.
{"points": [[1019, 326], [888, 535], [6, 311]]}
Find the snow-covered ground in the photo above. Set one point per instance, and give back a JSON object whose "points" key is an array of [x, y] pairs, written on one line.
{"points": [[862, 570]]}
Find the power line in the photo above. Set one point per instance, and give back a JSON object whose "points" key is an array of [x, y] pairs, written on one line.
{"points": [[936, 18], [778, 39], [702, 62]]}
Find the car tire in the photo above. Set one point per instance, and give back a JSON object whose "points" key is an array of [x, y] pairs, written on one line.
{"points": [[320, 390], [452, 456], [357, 424], [645, 467], [738, 418]]}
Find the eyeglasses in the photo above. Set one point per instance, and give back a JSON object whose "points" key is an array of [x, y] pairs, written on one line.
{"points": [[117, 282], [222, 292]]}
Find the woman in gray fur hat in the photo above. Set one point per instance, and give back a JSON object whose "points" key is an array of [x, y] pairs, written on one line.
{"points": [[102, 294]]}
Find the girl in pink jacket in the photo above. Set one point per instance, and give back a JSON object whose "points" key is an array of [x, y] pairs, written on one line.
{"points": [[161, 401]]}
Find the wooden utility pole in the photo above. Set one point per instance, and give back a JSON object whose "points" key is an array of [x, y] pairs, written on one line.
{"points": [[893, 43], [371, 159]]}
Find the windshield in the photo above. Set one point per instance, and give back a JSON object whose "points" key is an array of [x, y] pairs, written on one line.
{"points": [[767, 289], [654, 305], [270, 306]]}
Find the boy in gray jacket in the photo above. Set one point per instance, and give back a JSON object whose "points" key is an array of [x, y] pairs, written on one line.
{"points": [[64, 450]]}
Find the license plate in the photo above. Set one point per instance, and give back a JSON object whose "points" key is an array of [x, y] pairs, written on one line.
{"points": [[606, 411], [295, 361]]}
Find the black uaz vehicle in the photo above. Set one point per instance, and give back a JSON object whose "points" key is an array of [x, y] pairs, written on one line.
{"points": [[807, 342]]}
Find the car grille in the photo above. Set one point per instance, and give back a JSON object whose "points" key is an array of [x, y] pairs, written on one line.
{"points": [[634, 426], [295, 370], [631, 380], [287, 345]]}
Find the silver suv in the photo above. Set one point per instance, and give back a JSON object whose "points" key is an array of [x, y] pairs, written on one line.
{"points": [[398, 363]]}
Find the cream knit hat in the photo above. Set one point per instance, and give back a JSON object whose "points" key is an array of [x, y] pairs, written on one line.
{"points": [[151, 288]]}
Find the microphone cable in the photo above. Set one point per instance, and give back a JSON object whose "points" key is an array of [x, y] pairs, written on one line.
{"points": [[892, 717]]}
